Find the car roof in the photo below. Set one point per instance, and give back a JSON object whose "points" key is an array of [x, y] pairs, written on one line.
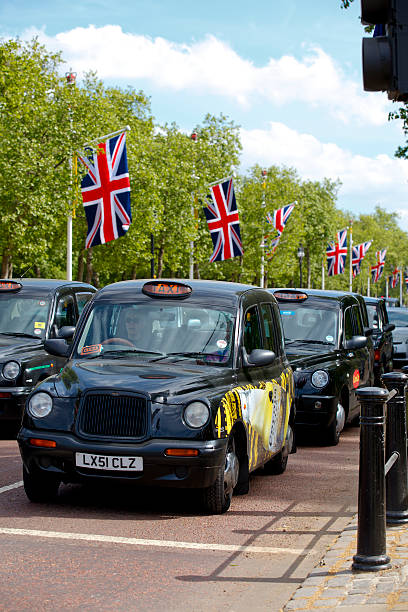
{"points": [[372, 300], [48, 284], [203, 288]]}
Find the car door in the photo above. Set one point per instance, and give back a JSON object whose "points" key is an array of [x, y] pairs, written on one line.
{"points": [[356, 359]]}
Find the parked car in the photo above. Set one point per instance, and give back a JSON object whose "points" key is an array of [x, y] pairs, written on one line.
{"points": [[177, 384], [399, 317], [382, 336], [31, 312], [326, 344]]}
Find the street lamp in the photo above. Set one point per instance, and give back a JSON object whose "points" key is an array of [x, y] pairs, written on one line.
{"points": [[194, 138], [300, 254], [71, 78], [263, 245]]}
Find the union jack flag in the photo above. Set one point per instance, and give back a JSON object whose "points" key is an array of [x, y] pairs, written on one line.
{"points": [[395, 277], [223, 221], [273, 246], [406, 279], [359, 252], [378, 269], [106, 191], [280, 217], [336, 254]]}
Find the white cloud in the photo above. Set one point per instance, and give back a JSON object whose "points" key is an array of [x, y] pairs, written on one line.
{"points": [[211, 66], [366, 181]]}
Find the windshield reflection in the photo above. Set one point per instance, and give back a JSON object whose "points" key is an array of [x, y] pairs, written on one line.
{"points": [[24, 315], [307, 324], [158, 331]]}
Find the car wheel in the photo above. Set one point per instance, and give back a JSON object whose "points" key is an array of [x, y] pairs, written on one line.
{"points": [[217, 497], [40, 488], [332, 433]]}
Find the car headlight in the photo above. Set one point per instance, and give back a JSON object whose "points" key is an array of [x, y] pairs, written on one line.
{"points": [[320, 378], [40, 405], [196, 414], [11, 370]]}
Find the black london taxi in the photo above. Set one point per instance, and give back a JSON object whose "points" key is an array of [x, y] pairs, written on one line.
{"points": [[382, 336], [31, 311], [326, 343], [168, 383]]}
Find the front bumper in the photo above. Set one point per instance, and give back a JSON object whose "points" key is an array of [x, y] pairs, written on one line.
{"points": [[313, 410], [158, 469], [12, 400]]}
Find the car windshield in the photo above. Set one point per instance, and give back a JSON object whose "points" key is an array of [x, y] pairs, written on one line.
{"points": [[23, 316], [307, 323], [398, 317], [372, 315], [158, 331]]}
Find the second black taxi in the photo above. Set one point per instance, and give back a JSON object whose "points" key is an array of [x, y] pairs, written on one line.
{"points": [[168, 383], [327, 347]]}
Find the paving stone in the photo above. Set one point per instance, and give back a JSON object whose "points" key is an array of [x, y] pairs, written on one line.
{"points": [[377, 599], [352, 600], [333, 592], [385, 587], [303, 592], [339, 581], [297, 605]]}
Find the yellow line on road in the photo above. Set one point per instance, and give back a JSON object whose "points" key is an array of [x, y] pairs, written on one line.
{"points": [[89, 537]]}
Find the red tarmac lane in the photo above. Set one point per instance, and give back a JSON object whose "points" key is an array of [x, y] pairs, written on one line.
{"points": [[154, 550]]}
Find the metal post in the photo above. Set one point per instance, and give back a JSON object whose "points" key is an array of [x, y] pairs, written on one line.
{"points": [[371, 531], [396, 441]]}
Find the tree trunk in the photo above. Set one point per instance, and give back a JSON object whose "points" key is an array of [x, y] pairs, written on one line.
{"points": [[5, 265], [309, 272], [80, 274], [134, 272], [89, 267], [160, 261]]}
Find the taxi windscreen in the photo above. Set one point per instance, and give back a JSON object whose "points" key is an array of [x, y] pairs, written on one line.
{"points": [[23, 315], [158, 331], [309, 324]]}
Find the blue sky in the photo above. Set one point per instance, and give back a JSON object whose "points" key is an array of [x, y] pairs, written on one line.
{"points": [[289, 73]]}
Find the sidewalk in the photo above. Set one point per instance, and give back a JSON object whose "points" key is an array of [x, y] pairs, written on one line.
{"points": [[332, 585]]}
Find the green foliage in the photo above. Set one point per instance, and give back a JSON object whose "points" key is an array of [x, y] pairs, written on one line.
{"points": [[43, 121]]}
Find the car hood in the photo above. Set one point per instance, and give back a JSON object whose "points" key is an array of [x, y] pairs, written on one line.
{"points": [[306, 358], [10, 346], [156, 380]]}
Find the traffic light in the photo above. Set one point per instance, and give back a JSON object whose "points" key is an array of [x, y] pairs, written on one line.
{"points": [[385, 55]]}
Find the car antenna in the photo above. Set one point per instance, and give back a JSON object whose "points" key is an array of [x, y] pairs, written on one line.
{"points": [[28, 269]]}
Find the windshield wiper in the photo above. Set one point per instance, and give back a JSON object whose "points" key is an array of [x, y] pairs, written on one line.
{"points": [[21, 334], [131, 350], [308, 341], [180, 354]]}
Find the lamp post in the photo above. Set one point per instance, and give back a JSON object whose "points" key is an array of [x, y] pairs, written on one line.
{"points": [[194, 138], [300, 254], [264, 176], [71, 78]]}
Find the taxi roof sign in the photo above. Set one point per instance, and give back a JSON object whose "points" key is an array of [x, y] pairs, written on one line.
{"points": [[166, 289], [6, 285], [290, 296]]}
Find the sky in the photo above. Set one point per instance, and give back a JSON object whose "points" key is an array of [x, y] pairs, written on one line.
{"points": [[287, 72]]}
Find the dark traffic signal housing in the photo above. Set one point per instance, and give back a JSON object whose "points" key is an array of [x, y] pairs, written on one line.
{"points": [[385, 55]]}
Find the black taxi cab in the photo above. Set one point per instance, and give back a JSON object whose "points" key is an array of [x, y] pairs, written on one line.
{"points": [[31, 311], [168, 383], [327, 346]]}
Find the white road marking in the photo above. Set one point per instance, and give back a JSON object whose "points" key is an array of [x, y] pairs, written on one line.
{"points": [[142, 542], [16, 485]]}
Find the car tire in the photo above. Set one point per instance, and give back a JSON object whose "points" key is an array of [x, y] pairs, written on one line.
{"points": [[40, 488], [217, 497], [276, 465]]}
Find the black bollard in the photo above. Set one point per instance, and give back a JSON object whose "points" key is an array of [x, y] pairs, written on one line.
{"points": [[371, 531], [396, 441]]}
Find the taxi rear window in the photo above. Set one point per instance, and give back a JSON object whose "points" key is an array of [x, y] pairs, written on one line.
{"points": [[309, 323]]}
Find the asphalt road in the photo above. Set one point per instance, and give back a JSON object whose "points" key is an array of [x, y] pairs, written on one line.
{"points": [[154, 550]]}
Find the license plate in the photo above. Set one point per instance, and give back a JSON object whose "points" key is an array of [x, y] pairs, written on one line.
{"points": [[109, 462]]}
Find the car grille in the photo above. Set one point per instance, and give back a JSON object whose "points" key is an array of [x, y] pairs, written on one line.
{"points": [[113, 415]]}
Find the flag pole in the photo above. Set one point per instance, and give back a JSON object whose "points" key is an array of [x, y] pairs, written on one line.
{"points": [[400, 288], [127, 128], [351, 260], [368, 282], [262, 283], [221, 180], [323, 273]]}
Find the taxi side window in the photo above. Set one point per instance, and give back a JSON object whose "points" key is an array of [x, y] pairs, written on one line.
{"points": [[81, 300], [358, 324], [252, 330], [64, 312], [348, 324], [269, 328]]}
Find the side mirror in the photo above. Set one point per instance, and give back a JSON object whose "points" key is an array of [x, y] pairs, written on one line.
{"points": [[257, 357], [368, 331], [57, 347], [389, 327], [356, 342], [66, 332]]}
